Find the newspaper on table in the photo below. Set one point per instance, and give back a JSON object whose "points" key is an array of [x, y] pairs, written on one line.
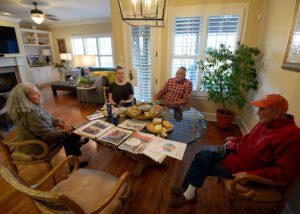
{"points": [[95, 116], [134, 124], [168, 147], [94, 129], [115, 136], [138, 143]]}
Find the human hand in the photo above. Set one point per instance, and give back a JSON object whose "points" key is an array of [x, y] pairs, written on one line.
{"points": [[68, 129], [60, 124]]}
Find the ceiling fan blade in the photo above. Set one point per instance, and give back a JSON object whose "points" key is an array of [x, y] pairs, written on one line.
{"points": [[51, 17]]}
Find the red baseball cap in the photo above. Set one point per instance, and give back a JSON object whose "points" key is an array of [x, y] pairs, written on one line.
{"points": [[272, 100]]}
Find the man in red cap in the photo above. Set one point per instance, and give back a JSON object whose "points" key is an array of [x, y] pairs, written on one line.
{"points": [[270, 150]]}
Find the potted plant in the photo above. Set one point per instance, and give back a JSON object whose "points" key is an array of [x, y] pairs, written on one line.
{"points": [[227, 77], [60, 66]]}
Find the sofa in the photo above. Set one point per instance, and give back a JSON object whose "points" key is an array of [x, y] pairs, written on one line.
{"points": [[103, 77]]}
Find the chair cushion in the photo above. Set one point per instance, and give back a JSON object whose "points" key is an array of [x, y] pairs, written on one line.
{"points": [[263, 193], [109, 74], [89, 188], [21, 156]]}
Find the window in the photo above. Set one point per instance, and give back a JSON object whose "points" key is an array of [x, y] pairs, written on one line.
{"points": [[141, 61], [101, 46], [193, 33]]}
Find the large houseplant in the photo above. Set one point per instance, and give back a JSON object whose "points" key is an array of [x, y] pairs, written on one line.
{"points": [[227, 77]]}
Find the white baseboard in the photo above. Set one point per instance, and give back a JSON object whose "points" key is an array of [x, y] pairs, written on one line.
{"points": [[237, 120]]}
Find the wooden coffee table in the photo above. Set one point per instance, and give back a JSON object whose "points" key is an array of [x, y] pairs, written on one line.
{"points": [[63, 86]]}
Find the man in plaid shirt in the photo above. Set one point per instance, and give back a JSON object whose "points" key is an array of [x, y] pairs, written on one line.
{"points": [[176, 91]]}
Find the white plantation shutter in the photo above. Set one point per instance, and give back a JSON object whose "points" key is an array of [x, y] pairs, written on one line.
{"points": [[193, 33], [141, 61], [186, 46], [222, 30], [100, 46]]}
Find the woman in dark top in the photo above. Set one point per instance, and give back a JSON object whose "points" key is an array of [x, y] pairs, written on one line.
{"points": [[120, 91]]}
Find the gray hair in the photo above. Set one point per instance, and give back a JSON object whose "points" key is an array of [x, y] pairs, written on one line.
{"points": [[18, 103], [182, 68]]}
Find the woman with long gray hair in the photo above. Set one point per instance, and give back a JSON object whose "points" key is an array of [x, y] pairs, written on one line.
{"points": [[33, 122]]}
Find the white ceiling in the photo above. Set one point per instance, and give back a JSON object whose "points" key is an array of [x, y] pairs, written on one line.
{"points": [[68, 11]]}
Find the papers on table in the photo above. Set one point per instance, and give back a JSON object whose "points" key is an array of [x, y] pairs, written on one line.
{"points": [[134, 124], [94, 129], [95, 116], [168, 147], [115, 136], [134, 142]]}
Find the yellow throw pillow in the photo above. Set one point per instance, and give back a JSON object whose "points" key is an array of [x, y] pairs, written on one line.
{"points": [[109, 74]]}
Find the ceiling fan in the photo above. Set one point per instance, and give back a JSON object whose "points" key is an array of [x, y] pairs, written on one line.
{"points": [[38, 16]]}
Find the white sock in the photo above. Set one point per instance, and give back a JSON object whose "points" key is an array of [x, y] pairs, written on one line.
{"points": [[190, 192]]}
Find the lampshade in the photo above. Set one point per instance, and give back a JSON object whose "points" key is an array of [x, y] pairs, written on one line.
{"points": [[84, 60], [37, 18], [45, 52], [143, 12], [65, 56]]}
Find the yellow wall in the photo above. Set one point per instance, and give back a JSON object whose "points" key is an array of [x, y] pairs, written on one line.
{"points": [[272, 78], [66, 32], [252, 34]]}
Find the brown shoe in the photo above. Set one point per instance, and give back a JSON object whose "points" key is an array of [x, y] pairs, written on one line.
{"points": [[181, 201], [177, 191]]}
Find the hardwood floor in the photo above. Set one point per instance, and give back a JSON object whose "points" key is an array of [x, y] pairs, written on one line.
{"points": [[151, 190]]}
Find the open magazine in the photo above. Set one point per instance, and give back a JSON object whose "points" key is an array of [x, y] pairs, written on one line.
{"points": [[138, 143], [133, 124], [94, 128], [115, 136]]}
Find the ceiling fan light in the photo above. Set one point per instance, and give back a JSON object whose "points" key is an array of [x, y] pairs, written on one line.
{"points": [[37, 18]]}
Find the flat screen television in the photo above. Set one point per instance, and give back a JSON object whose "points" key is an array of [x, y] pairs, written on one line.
{"points": [[8, 40]]}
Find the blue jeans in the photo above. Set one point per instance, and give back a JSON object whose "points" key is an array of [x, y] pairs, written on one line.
{"points": [[206, 163]]}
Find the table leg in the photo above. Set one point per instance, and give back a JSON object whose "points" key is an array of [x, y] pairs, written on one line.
{"points": [[54, 92]]}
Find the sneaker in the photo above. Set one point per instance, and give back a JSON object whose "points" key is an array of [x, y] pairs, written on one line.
{"points": [[181, 201], [177, 190]]}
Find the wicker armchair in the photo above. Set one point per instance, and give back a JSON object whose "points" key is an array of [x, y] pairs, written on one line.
{"points": [[84, 191], [16, 157], [256, 191]]}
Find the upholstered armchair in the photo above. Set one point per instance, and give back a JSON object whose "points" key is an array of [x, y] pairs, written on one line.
{"points": [[16, 157], [84, 191], [256, 191]]}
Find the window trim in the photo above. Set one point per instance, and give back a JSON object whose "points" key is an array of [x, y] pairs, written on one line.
{"points": [[97, 35], [205, 11]]}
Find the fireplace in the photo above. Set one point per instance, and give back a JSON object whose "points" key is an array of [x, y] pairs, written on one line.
{"points": [[8, 78]]}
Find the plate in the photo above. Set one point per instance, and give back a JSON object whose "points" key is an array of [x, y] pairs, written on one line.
{"points": [[150, 128], [142, 116]]}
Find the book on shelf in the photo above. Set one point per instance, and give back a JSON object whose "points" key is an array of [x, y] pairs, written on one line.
{"points": [[115, 136], [94, 129], [134, 124], [138, 143]]}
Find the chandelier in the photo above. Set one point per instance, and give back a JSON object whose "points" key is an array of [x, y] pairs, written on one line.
{"points": [[143, 12]]}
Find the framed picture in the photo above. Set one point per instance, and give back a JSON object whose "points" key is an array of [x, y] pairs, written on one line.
{"points": [[61, 46], [291, 59], [34, 60]]}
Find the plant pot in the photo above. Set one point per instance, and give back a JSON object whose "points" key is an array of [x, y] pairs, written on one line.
{"points": [[224, 118]]}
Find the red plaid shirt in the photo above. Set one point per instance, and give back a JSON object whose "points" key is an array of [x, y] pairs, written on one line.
{"points": [[176, 92]]}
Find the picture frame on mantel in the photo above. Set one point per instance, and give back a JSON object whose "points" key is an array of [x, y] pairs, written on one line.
{"points": [[291, 59]]}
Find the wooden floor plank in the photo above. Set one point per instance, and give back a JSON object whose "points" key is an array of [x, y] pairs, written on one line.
{"points": [[151, 190]]}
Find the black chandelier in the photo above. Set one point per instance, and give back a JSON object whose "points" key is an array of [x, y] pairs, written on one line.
{"points": [[143, 12]]}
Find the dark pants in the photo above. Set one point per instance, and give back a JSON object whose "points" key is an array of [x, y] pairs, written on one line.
{"points": [[206, 163], [71, 145]]}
